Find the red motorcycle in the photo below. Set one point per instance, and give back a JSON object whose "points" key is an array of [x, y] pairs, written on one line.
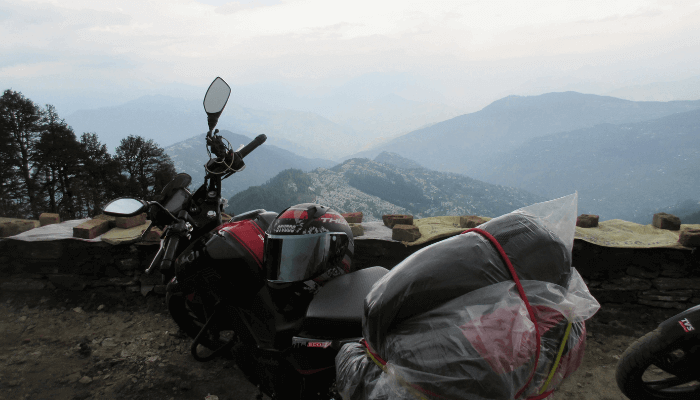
{"points": [[284, 323]]}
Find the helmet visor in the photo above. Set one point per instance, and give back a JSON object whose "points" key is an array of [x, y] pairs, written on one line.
{"points": [[299, 258]]}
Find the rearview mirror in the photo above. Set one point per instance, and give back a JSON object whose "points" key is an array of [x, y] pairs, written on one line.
{"points": [[215, 100], [125, 207]]}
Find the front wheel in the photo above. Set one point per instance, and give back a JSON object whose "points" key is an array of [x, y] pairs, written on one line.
{"points": [[659, 366], [190, 317]]}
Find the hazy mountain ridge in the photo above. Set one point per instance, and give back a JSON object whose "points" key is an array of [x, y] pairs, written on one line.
{"points": [[686, 89], [262, 164], [376, 189], [396, 160], [465, 144], [168, 120], [626, 171]]}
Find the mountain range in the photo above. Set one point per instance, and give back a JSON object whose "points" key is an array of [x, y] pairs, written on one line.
{"points": [[627, 159], [168, 120], [469, 143], [378, 188], [627, 171]]}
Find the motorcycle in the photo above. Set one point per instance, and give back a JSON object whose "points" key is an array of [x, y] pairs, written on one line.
{"points": [[283, 336], [674, 349]]}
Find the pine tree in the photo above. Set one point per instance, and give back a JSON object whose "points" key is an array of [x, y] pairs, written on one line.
{"points": [[20, 122]]}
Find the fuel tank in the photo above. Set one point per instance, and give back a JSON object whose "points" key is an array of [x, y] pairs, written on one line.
{"points": [[243, 237]]}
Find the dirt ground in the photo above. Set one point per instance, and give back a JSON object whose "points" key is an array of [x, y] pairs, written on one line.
{"points": [[76, 345]]}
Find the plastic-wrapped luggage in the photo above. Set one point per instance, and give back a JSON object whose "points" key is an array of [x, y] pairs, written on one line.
{"points": [[451, 322]]}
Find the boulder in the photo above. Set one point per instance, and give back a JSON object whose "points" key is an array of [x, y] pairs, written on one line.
{"points": [[357, 230], [666, 221], [353, 217], [470, 221], [48, 219], [587, 221], [130, 222], [690, 238], [91, 229], [405, 233], [397, 219]]}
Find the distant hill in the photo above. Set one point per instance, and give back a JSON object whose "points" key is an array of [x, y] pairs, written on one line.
{"points": [[168, 120], [686, 89], [348, 124], [376, 189], [396, 160], [626, 171], [262, 164], [466, 144]]}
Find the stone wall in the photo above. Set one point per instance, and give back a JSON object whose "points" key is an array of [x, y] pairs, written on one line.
{"points": [[667, 278], [75, 265]]}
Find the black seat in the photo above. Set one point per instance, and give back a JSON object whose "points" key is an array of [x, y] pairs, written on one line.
{"points": [[336, 310]]}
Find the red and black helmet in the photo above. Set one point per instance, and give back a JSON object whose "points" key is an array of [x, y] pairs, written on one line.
{"points": [[308, 242]]}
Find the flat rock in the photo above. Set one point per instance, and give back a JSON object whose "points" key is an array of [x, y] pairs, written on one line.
{"points": [[587, 221], [353, 217], [666, 221], [21, 284], [357, 230], [690, 237], [405, 233], [663, 304], [397, 219], [130, 222], [470, 221], [676, 283]]}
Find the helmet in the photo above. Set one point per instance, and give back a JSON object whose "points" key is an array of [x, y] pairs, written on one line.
{"points": [[308, 242]]}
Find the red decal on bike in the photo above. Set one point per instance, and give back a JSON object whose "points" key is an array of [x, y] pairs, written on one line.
{"points": [[250, 236], [687, 326], [323, 345], [294, 214]]}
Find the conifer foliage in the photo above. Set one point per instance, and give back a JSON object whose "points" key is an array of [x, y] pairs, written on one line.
{"points": [[44, 167]]}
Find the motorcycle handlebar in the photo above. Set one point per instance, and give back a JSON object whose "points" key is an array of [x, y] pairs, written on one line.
{"points": [[252, 145], [170, 249]]}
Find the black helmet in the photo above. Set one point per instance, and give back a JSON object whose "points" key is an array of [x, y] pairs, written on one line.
{"points": [[308, 241]]}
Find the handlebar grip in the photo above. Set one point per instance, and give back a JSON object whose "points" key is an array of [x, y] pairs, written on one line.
{"points": [[170, 249], [252, 145]]}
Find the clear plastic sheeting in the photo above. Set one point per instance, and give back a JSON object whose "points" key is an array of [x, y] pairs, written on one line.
{"points": [[449, 322]]}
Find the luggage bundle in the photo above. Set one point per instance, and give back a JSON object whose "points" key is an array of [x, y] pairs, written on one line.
{"points": [[494, 313]]}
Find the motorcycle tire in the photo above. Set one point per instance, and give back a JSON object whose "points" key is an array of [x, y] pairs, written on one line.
{"points": [[672, 355], [190, 318]]}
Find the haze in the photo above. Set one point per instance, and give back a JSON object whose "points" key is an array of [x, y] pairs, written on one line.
{"points": [[87, 54]]}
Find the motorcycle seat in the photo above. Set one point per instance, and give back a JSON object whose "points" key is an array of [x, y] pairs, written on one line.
{"points": [[336, 310]]}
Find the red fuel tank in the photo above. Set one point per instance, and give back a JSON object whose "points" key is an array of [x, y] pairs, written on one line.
{"points": [[245, 237]]}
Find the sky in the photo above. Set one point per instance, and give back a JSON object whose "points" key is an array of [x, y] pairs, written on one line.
{"points": [[79, 54]]}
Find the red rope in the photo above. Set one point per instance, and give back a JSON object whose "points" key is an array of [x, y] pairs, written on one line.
{"points": [[523, 296]]}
